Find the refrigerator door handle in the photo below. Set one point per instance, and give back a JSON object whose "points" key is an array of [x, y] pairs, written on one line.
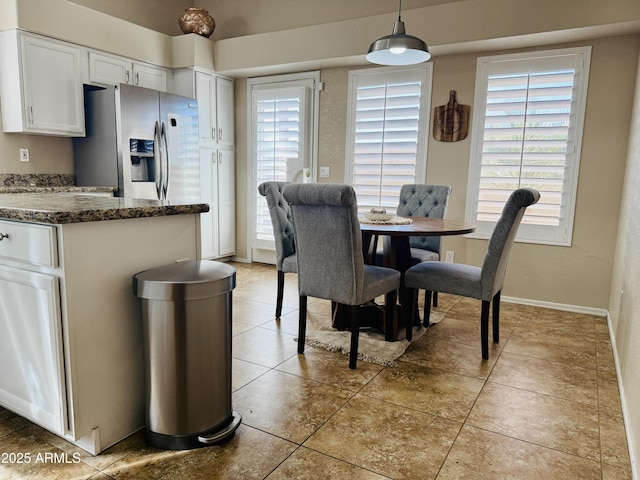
{"points": [[165, 177], [157, 159]]}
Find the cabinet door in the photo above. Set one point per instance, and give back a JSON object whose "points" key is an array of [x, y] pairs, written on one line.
{"points": [[205, 93], [225, 112], [149, 76], [108, 70], [208, 187], [52, 80], [31, 354], [226, 202]]}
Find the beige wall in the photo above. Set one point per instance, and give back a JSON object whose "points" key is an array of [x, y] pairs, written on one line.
{"points": [[579, 275], [624, 308]]}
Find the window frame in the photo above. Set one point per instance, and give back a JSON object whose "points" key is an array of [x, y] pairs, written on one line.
{"points": [[422, 72], [536, 61]]}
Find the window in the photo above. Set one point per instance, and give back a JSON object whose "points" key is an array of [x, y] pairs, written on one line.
{"points": [[282, 142], [527, 132], [387, 132]]}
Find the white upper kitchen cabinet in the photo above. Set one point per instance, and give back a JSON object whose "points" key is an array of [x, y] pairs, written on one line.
{"points": [[41, 85], [107, 69], [215, 105]]}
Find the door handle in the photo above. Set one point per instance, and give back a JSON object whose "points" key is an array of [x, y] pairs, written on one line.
{"points": [[157, 160], [165, 185]]}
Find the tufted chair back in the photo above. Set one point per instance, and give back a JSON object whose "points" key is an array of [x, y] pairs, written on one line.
{"points": [[418, 200], [280, 213]]}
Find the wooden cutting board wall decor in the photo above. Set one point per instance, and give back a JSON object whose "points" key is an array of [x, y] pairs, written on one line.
{"points": [[451, 121]]}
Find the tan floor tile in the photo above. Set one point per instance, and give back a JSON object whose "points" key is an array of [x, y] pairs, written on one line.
{"points": [[244, 372], [604, 357], [250, 454], [288, 406], [387, 439], [10, 422], [253, 312], [264, 347], [462, 331], [330, 368], [481, 455], [613, 440], [431, 391], [551, 422], [560, 347], [608, 390], [26, 456], [614, 473], [451, 356], [557, 379], [309, 465]]}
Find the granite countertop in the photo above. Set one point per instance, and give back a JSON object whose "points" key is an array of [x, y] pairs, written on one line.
{"points": [[54, 189], [60, 208]]}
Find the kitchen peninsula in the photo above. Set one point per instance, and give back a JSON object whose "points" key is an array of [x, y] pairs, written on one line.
{"points": [[70, 325]]}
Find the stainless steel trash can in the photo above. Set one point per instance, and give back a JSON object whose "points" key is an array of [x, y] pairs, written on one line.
{"points": [[186, 315]]}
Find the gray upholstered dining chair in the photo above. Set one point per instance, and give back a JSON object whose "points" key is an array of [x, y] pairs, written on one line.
{"points": [[419, 200], [283, 234], [484, 283], [330, 259]]}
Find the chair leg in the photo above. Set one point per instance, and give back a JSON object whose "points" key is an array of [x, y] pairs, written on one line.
{"points": [[412, 299], [280, 293], [496, 318], [427, 307], [390, 318], [484, 329], [435, 299], [355, 333], [302, 323]]}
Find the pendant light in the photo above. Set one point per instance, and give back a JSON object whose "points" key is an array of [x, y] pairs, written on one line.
{"points": [[398, 48]]}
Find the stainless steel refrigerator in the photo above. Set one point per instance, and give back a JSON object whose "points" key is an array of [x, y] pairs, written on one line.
{"points": [[142, 141]]}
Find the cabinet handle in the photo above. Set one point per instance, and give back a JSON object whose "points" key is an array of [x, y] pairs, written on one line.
{"points": [[213, 132], [219, 134], [126, 76], [220, 157], [3, 236], [137, 79], [30, 114]]}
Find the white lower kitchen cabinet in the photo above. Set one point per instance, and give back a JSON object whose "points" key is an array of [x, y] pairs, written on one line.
{"points": [[217, 187], [32, 372], [71, 345]]}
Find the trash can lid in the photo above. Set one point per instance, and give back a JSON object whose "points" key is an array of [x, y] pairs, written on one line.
{"points": [[192, 280]]}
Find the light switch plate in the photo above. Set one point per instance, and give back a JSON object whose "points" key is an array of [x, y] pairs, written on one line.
{"points": [[325, 172]]}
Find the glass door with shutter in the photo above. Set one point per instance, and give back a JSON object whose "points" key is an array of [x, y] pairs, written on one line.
{"points": [[282, 148]]}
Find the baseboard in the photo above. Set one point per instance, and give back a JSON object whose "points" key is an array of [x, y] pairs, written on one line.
{"points": [[625, 416], [601, 312]]}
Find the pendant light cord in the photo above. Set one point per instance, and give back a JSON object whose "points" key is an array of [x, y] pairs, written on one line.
{"points": [[400, 12]]}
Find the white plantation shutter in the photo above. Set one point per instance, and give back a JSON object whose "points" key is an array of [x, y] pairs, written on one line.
{"points": [[279, 141], [527, 131], [386, 148]]}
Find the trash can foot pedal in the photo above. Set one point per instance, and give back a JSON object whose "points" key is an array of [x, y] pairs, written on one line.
{"points": [[226, 432]]}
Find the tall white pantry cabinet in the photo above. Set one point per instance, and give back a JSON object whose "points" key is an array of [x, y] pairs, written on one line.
{"points": [[217, 156]]}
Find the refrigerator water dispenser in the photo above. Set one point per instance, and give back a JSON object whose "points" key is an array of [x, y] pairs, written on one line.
{"points": [[142, 160]]}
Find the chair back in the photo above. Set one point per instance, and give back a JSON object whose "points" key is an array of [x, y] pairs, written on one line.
{"points": [[494, 266], [328, 241], [280, 220], [419, 200]]}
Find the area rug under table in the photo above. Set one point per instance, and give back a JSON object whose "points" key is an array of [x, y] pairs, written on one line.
{"points": [[372, 347]]}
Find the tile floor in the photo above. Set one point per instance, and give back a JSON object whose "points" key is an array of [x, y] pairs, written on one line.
{"points": [[544, 406]]}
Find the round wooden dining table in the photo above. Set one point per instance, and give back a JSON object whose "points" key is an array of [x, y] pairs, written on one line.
{"points": [[397, 255]]}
